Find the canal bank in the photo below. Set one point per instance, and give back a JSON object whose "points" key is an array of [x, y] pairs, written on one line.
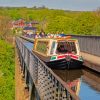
{"points": [[91, 61]]}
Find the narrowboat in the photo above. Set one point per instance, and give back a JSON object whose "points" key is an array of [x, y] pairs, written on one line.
{"points": [[61, 52]]}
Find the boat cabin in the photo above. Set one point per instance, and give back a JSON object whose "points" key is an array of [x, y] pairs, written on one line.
{"points": [[57, 49]]}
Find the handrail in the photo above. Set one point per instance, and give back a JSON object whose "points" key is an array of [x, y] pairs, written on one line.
{"points": [[97, 36], [28, 39], [64, 84]]}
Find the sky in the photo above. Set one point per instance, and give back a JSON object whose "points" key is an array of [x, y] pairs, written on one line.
{"points": [[75, 5]]}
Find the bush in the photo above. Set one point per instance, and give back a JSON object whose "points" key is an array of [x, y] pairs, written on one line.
{"points": [[7, 89]]}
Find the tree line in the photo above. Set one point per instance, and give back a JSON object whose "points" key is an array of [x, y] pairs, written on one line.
{"points": [[52, 21]]}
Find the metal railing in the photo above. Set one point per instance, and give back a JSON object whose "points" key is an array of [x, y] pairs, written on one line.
{"points": [[48, 85], [89, 44]]}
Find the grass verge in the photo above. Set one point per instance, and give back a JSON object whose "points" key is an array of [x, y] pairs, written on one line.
{"points": [[7, 70]]}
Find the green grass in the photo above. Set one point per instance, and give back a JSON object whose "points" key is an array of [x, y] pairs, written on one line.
{"points": [[7, 81]]}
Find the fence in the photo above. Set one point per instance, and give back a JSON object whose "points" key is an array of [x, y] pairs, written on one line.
{"points": [[43, 83], [89, 44]]}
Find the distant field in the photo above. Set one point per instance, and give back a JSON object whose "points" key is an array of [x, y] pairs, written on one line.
{"points": [[69, 22], [7, 70]]}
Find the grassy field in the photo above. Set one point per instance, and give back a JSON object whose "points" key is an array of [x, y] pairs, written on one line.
{"points": [[7, 81]]}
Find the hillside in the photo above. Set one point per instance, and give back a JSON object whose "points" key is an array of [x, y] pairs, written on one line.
{"points": [[69, 22]]}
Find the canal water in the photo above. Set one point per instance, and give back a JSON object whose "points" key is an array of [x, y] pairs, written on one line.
{"points": [[84, 82]]}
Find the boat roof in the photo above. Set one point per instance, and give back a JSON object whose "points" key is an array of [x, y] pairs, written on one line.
{"points": [[59, 38]]}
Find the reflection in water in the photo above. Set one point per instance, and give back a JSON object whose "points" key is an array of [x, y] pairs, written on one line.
{"points": [[71, 77], [85, 83], [92, 79]]}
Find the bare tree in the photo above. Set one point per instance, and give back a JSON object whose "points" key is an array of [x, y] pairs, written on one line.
{"points": [[4, 26]]}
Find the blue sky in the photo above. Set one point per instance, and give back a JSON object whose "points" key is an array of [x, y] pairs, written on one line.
{"points": [[55, 4]]}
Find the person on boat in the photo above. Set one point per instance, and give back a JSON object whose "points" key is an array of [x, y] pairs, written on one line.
{"points": [[62, 34], [37, 35], [42, 34]]}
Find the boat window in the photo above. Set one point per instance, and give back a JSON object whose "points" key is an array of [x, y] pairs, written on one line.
{"points": [[66, 47], [42, 46], [52, 47]]}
